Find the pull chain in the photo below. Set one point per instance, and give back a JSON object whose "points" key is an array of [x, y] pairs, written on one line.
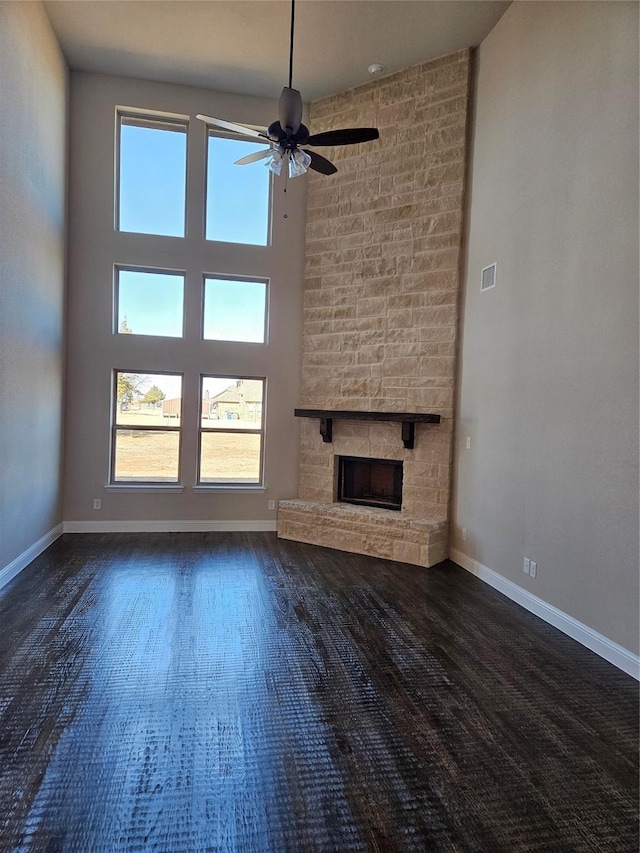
{"points": [[286, 200]]}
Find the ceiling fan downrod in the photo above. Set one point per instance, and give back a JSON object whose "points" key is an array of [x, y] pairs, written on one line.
{"points": [[293, 13]]}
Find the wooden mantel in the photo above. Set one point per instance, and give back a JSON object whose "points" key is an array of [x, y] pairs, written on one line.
{"points": [[407, 419]]}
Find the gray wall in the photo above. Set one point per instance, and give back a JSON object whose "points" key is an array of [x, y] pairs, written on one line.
{"points": [[548, 385], [33, 106], [93, 351]]}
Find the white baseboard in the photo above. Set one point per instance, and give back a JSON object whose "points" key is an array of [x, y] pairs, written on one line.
{"points": [[601, 645], [166, 526], [16, 566]]}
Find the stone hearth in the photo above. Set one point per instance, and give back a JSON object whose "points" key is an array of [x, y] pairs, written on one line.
{"points": [[365, 530]]}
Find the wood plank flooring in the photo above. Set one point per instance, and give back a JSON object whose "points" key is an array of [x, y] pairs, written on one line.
{"points": [[233, 692]]}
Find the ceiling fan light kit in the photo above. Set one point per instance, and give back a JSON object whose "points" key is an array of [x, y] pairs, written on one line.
{"points": [[286, 135], [299, 162]]}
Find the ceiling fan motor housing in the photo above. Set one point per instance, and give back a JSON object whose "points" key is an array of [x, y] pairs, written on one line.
{"points": [[290, 110], [287, 140]]}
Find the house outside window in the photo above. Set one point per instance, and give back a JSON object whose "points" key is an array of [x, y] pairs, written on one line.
{"points": [[231, 430]]}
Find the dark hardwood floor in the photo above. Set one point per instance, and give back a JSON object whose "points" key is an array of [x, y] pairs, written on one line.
{"points": [[234, 692]]}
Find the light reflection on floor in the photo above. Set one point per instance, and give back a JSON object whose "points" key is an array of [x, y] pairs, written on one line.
{"points": [[185, 670]]}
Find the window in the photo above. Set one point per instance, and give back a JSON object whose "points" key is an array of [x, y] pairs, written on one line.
{"points": [[152, 172], [145, 430], [235, 310], [149, 302], [165, 318], [231, 430], [238, 197]]}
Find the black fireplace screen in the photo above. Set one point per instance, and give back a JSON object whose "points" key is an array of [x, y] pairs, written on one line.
{"points": [[370, 482]]}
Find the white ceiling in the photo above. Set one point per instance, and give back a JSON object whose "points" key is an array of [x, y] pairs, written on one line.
{"points": [[242, 46]]}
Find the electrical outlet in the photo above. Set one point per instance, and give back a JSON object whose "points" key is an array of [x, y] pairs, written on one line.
{"points": [[271, 504], [464, 534], [97, 503], [527, 566], [468, 442], [533, 569]]}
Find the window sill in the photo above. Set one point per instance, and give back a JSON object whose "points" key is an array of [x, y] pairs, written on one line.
{"points": [[228, 487], [144, 487]]}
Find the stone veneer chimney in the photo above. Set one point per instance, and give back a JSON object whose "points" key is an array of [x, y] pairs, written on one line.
{"points": [[383, 246]]}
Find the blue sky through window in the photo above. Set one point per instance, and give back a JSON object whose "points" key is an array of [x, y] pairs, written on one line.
{"points": [[153, 167], [234, 310], [150, 303], [152, 199], [237, 196]]}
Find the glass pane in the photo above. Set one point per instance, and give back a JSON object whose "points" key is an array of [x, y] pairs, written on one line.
{"points": [[230, 403], [153, 170], [148, 456], [230, 458], [150, 303], [237, 196], [148, 399], [234, 310]]}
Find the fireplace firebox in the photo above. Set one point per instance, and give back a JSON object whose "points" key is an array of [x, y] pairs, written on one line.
{"points": [[370, 482]]}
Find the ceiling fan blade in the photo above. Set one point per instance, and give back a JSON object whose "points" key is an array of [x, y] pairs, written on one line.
{"points": [[320, 163], [290, 110], [251, 158], [347, 136], [229, 125]]}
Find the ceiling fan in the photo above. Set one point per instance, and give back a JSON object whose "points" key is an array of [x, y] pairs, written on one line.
{"points": [[285, 136]]}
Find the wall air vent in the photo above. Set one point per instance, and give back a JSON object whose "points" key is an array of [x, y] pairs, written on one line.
{"points": [[488, 277]]}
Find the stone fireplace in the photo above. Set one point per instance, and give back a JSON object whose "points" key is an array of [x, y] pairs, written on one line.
{"points": [[381, 310], [417, 533]]}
